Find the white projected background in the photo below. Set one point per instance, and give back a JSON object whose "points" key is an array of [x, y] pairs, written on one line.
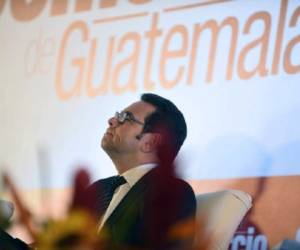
{"points": [[241, 125]]}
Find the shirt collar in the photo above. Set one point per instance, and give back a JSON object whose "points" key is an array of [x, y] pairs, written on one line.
{"points": [[136, 173]]}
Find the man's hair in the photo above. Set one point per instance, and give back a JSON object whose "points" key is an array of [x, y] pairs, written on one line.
{"points": [[168, 121]]}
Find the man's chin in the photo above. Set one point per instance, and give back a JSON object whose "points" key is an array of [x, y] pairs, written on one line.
{"points": [[105, 144]]}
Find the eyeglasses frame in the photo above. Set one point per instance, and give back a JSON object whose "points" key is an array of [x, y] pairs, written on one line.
{"points": [[123, 116]]}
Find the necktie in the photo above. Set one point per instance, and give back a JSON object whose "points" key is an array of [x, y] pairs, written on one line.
{"points": [[113, 183]]}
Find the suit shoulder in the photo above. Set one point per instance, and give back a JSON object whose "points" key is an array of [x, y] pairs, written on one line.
{"points": [[185, 186], [99, 183]]}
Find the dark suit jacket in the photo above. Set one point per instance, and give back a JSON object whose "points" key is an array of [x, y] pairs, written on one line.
{"points": [[157, 213], [9, 243]]}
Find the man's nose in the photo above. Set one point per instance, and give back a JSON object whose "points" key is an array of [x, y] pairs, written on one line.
{"points": [[113, 122]]}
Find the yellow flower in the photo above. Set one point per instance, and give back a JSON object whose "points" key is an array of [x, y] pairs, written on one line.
{"points": [[77, 231]]}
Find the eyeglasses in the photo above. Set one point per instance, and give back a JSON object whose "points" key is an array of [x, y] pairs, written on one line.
{"points": [[126, 116]]}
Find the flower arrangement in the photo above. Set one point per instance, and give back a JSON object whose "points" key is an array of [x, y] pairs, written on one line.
{"points": [[76, 231]]}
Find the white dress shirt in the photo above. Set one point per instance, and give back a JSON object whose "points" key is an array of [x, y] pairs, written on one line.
{"points": [[131, 176]]}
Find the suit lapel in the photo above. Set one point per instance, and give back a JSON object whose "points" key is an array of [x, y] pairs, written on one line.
{"points": [[132, 200]]}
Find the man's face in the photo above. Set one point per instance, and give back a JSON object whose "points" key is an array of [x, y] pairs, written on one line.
{"points": [[121, 138]]}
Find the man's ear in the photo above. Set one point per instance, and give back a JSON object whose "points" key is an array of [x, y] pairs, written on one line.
{"points": [[150, 142]]}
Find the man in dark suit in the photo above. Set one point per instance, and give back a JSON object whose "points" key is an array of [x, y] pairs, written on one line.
{"points": [[150, 208], [146, 206]]}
